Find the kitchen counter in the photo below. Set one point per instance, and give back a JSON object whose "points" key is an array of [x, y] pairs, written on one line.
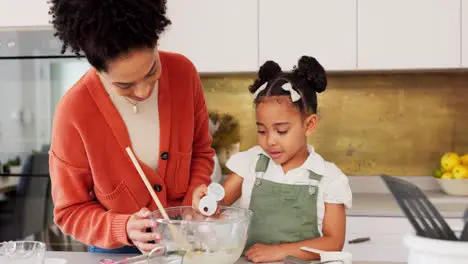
{"points": [[94, 258], [371, 200], [384, 205], [371, 197]]}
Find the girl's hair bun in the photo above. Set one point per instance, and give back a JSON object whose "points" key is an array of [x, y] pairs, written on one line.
{"points": [[267, 72], [312, 71]]}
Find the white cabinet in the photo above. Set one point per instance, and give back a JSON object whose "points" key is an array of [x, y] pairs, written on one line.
{"points": [[465, 33], [325, 30], [386, 235], [377, 249], [222, 36], [22, 13], [217, 36], [402, 34]]}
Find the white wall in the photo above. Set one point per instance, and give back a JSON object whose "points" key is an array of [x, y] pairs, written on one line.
{"points": [[21, 13]]}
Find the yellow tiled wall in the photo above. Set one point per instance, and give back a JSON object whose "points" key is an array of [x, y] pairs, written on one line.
{"points": [[396, 123]]}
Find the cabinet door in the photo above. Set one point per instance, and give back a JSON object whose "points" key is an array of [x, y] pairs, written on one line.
{"points": [[386, 235], [216, 35], [22, 13], [401, 34], [377, 249], [382, 238], [465, 33], [322, 29]]}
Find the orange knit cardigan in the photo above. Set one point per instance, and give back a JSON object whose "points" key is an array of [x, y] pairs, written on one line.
{"points": [[95, 187]]}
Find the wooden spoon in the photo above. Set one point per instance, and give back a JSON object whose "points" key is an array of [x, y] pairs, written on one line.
{"points": [[176, 235]]}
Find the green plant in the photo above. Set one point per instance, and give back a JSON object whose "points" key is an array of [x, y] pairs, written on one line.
{"points": [[228, 131], [15, 162], [11, 162]]}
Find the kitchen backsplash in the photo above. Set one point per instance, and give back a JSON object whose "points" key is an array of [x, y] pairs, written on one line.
{"points": [[395, 123]]}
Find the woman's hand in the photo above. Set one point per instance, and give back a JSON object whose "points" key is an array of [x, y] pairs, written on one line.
{"points": [[137, 227]]}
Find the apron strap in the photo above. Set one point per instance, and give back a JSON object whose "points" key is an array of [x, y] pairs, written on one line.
{"points": [[261, 168], [262, 163], [315, 176]]}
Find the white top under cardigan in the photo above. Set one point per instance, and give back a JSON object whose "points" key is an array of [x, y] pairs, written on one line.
{"points": [[143, 127]]}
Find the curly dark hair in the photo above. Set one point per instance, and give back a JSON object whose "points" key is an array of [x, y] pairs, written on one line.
{"points": [[106, 29], [308, 78]]}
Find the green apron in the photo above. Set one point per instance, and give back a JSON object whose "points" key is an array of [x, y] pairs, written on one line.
{"points": [[282, 213]]}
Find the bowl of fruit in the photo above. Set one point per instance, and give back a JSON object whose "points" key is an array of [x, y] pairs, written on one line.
{"points": [[452, 175]]}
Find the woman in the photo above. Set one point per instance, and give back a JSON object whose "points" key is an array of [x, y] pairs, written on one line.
{"points": [[132, 96]]}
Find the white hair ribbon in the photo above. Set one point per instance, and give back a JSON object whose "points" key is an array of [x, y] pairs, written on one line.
{"points": [[294, 95], [260, 89]]}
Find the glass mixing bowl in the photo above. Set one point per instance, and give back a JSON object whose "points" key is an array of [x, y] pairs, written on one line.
{"points": [[219, 239], [22, 252]]}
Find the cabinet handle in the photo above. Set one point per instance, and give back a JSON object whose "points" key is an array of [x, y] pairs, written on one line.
{"points": [[359, 240]]}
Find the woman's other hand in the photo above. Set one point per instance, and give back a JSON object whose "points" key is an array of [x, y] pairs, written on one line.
{"points": [[137, 227]]}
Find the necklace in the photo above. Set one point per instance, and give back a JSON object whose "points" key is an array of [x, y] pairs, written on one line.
{"points": [[134, 105]]}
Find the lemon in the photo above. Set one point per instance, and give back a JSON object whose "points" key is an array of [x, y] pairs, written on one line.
{"points": [[464, 159], [447, 175], [460, 172], [437, 173], [449, 160]]}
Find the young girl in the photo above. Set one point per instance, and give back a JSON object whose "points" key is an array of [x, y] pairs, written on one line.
{"points": [[297, 198]]}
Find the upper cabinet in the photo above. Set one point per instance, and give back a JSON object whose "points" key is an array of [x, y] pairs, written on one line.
{"points": [[221, 36], [465, 33], [322, 29], [217, 36], [24, 13], [402, 34]]}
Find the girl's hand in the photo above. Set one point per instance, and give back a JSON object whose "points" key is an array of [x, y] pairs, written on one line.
{"points": [[137, 227], [198, 194], [259, 253]]}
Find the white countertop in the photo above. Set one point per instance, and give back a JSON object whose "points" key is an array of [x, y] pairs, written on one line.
{"points": [[94, 258], [384, 205], [371, 197]]}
